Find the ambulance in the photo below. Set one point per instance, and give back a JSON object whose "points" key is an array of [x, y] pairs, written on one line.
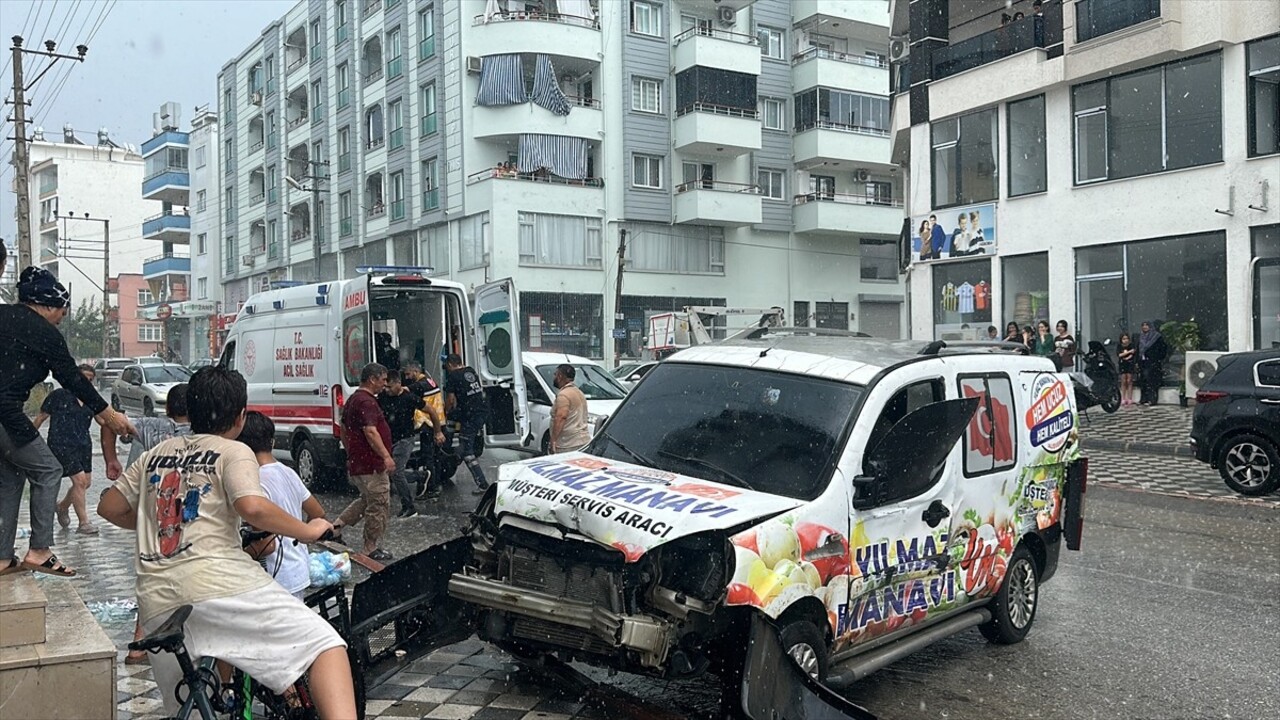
{"points": [[302, 348], [864, 497]]}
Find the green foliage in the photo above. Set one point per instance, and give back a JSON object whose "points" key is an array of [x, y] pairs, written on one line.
{"points": [[1181, 335], [83, 329]]}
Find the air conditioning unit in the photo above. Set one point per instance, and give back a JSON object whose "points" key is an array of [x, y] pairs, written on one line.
{"points": [[256, 98], [1200, 367], [473, 65], [898, 49], [247, 261], [861, 175], [727, 15]]}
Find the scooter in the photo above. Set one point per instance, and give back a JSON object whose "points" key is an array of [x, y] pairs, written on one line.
{"points": [[1099, 384]]}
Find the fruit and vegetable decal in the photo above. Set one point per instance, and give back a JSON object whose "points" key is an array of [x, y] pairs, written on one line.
{"points": [[785, 560]]}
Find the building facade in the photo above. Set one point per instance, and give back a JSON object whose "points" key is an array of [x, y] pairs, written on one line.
{"points": [[138, 336], [206, 227], [1106, 163], [99, 180], [714, 153]]}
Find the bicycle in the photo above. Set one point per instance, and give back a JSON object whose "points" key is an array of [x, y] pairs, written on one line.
{"points": [[211, 698]]}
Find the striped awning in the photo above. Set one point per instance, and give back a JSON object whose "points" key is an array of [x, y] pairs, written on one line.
{"points": [[546, 91], [501, 81], [563, 156]]}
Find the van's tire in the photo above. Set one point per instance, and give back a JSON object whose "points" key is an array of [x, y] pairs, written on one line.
{"points": [[804, 643], [546, 443], [307, 464], [1249, 465], [1014, 608], [148, 408]]}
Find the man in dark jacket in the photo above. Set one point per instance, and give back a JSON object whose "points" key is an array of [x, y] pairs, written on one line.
{"points": [[30, 348]]}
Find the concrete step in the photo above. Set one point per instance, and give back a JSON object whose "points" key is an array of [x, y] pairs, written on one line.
{"points": [[22, 610], [70, 675]]}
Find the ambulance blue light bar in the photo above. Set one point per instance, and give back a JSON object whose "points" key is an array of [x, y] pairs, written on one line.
{"points": [[393, 270]]}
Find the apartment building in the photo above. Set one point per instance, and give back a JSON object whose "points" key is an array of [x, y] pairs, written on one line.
{"points": [[97, 179], [1100, 161], [729, 152]]}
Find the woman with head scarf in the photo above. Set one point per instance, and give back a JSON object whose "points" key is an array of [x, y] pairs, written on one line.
{"points": [[30, 348], [1152, 350]]}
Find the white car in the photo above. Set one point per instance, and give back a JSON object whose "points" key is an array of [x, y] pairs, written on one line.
{"points": [[603, 393], [144, 388], [628, 374]]}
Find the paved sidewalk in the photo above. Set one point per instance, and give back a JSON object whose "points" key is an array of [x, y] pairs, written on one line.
{"points": [[1166, 475], [1152, 430]]}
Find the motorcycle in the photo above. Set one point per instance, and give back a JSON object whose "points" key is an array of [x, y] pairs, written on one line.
{"points": [[1099, 384]]}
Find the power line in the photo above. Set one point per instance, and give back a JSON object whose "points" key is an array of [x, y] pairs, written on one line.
{"points": [[8, 59], [66, 75]]}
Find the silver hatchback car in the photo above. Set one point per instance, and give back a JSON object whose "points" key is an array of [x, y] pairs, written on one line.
{"points": [[144, 389]]}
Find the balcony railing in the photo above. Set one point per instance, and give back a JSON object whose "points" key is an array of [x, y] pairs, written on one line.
{"points": [[396, 138], [816, 53], [317, 53], [540, 16], [344, 97], [431, 199], [317, 114], [257, 199], [842, 127], [298, 236], [428, 123], [427, 48], [584, 102], [377, 209], [297, 63], [718, 186], [156, 174], [717, 33], [272, 195], [1036, 31], [272, 139], [340, 35], [375, 143], [373, 75], [394, 68], [714, 109], [507, 174], [255, 146], [371, 7], [397, 209], [848, 199], [271, 86], [344, 227], [297, 122], [1095, 18]]}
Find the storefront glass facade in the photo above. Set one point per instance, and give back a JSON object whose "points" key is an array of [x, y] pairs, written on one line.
{"points": [[1266, 287], [961, 300], [1025, 293]]}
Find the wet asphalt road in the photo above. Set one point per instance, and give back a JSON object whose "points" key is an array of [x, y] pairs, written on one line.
{"points": [[1171, 611]]}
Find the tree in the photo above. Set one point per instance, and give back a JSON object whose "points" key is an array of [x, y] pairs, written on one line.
{"points": [[83, 329]]}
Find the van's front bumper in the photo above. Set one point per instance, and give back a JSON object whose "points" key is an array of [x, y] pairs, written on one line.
{"points": [[566, 623]]}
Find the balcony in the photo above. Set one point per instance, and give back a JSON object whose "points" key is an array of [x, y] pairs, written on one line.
{"points": [[492, 188], [167, 264], [1095, 18], [168, 137], [709, 202], [171, 185], [536, 32], [1018, 36], [585, 120], [818, 67], [428, 125], [373, 76], [716, 130], [849, 215], [867, 13], [297, 122], [376, 210], [168, 227], [716, 48], [839, 144]]}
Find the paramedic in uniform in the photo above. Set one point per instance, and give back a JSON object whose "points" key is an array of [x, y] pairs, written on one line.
{"points": [[465, 403]]}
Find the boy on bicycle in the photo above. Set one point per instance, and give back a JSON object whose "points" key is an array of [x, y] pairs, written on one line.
{"points": [[186, 498]]}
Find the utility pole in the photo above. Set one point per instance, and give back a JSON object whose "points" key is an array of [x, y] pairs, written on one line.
{"points": [[314, 189], [106, 275], [21, 153], [619, 343]]}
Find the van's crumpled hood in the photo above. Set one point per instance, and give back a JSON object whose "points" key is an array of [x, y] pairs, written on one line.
{"points": [[628, 507]]}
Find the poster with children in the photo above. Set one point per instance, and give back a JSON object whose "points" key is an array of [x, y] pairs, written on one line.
{"points": [[954, 233]]}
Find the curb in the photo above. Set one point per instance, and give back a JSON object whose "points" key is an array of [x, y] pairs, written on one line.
{"points": [[1137, 447]]}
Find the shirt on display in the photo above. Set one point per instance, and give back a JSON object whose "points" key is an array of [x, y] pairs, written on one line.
{"points": [[964, 297], [980, 295]]}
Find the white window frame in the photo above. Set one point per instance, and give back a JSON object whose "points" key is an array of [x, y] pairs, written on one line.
{"points": [[652, 165], [202, 288], [781, 106], [768, 47], [145, 297], [770, 180], [640, 89], [150, 332], [652, 13], [202, 243]]}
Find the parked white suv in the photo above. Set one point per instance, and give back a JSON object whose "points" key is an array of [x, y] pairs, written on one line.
{"points": [[852, 491]]}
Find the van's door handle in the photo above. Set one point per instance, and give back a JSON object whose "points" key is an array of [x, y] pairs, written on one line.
{"points": [[935, 513]]}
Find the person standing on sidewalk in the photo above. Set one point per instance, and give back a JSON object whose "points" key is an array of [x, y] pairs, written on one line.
{"points": [[369, 463], [398, 406], [568, 414], [69, 441], [1151, 353], [30, 348], [466, 404]]}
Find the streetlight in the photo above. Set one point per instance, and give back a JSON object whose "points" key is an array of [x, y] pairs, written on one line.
{"points": [[314, 189]]}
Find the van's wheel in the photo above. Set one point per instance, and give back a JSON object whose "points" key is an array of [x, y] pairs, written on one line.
{"points": [[307, 464], [1249, 465], [805, 644], [148, 408], [1014, 608], [546, 444]]}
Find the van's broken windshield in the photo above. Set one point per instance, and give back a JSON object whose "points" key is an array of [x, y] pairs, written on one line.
{"points": [[767, 431]]}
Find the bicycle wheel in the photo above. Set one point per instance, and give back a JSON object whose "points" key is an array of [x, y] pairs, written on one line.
{"points": [[299, 705]]}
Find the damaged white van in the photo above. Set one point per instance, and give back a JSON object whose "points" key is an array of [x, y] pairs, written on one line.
{"points": [[867, 497]]}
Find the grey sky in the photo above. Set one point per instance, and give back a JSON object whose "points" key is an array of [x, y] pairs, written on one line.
{"points": [[145, 52]]}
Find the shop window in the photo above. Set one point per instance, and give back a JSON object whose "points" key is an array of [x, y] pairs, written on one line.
{"points": [[800, 313], [563, 323], [1025, 290], [964, 159], [1027, 164], [961, 300]]}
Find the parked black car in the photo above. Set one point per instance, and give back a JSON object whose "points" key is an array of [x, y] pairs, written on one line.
{"points": [[1236, 424]]}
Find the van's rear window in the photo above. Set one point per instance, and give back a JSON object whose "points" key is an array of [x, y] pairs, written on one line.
{"points": [[769, 431]]}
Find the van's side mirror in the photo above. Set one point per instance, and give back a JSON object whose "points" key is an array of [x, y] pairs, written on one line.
{"points": [[903, 464]]}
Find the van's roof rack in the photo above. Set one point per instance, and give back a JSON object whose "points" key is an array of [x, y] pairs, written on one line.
{"points": [[758, 332], [937, 346]]}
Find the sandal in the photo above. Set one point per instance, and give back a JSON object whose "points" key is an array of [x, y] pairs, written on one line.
{"points": [[52, 566], [14, 566], [139, 659], [87, 529]]}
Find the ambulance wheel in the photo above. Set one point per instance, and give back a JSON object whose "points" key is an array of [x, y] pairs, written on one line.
{"points": [[805, 644], [307, 464], [1014, 608]]}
